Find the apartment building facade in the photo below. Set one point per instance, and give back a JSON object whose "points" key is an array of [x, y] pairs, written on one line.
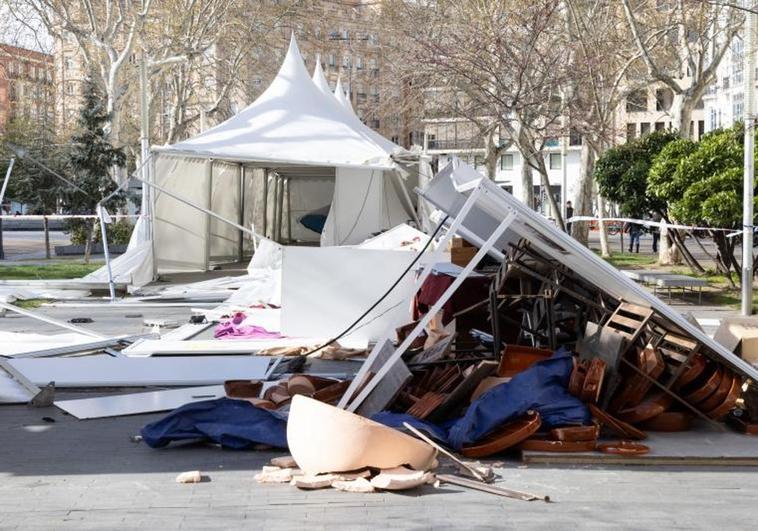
{"points": [[337, 32], [26, 86]]}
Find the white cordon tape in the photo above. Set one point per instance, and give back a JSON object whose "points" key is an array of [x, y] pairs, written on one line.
{"points": [[651, 223], [52, 217]]}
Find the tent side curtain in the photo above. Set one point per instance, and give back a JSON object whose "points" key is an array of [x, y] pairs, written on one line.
{"points": [[365, 203], [226, 200], [181, 231]]}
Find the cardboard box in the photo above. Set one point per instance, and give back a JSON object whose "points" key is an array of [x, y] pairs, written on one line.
{"points": [[739, 335], [462, 255]]}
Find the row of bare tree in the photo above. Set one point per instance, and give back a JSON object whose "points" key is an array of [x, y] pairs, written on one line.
{"points": [[521, 71], [525, 71]]}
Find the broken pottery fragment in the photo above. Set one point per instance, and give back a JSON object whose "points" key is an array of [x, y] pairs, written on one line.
{"points": [[314, 482], [274, 474], [193, 476], [357, 485], [401, 478], [285, 461], [323, 438]]}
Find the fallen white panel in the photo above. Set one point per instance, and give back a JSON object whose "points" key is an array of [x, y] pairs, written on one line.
{"points": [[136, 403], [12, 392], [12, 343], [324, 290], [200, 347], [107, 371], [449, 190]]}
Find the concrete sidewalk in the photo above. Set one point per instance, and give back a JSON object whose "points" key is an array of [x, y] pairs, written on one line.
{"points": [[71, 474]]}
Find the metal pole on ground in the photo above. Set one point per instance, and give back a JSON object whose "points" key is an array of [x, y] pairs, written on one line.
{"points": [[106, 252], [749, 169]]}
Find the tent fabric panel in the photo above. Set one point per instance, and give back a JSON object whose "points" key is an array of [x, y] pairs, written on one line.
{"points": [[305, 196], [225, 201], [357, 207], [180, 231]]}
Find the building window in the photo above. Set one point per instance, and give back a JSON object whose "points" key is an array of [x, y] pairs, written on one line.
{"points": [[555, 161], [70, 89], [394, 139], [631, 132], [552, 142], [346, 61], [737, 107], [68, 63], [506, 162], [700, 129], [575, 139], [478, 161], [375, 123], [713, 120], [660, 126], [359, 63], [332, 59], [12, 94], [636, 101], [644, 128]]}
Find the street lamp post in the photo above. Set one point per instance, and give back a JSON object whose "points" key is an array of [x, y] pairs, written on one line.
{"points": [[749, 168]]}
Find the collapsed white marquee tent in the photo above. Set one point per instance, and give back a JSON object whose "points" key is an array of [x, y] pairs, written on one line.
{"points": [[293, 151]]}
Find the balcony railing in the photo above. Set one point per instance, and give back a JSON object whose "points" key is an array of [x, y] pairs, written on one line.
{"points": [[454, 144]]}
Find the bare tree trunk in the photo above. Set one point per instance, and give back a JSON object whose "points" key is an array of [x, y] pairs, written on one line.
{"points": [[46, 228], [583, 200], [554, 207], [605, 251], [527, 182], [90, 232], [681, 114]]}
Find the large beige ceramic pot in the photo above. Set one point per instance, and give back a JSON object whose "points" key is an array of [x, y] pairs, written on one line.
{"points": [[323, 438]]}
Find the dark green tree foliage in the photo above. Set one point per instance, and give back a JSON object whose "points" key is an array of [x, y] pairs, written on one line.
{"points": [[92, 158], [29, 183], [702, 184], [622, 173]]}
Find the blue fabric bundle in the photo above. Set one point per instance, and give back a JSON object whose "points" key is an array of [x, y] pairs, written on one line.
{"points": [[543, 387], [235, 424]]}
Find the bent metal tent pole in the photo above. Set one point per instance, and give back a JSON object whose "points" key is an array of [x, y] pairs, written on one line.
{"points": [[7, 178], [50, 320], [198, 207], [491, 241]]}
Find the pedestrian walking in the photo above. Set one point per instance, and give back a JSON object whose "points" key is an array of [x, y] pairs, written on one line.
{"points": [[569, 215], [655, 230], [635, 231]]}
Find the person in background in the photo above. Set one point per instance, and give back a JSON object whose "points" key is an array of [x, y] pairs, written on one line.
{"points": [[635, 231], [569, 215], [655, 230]]}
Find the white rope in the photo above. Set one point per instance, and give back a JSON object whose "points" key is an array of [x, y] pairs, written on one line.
{"points": [[650, 223]]}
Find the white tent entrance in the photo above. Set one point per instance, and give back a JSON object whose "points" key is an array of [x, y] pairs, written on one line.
{"points": [[295, 152]]}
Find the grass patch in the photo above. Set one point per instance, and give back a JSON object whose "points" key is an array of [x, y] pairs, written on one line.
{"points": [[630, 261], [30, 304], [53, 271]]}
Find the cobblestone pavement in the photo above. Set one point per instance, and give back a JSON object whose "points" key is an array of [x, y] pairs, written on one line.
{"points": [[71, 474]]}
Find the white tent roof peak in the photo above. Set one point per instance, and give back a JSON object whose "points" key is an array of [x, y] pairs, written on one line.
{"points": [[320, 79], [292, 122], [339, 93]]}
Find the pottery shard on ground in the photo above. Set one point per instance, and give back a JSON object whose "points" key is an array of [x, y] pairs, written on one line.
{"points": [[285, 461], [321, 481], [193, 476], [357, 485], [401, 478], [275, 474]]}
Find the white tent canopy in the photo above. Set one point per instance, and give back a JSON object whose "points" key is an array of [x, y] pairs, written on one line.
{"points": [[293, 151]]}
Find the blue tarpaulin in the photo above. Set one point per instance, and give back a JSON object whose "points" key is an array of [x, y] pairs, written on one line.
{"points": [[235, 424], [543, 387], [238, 424]]}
